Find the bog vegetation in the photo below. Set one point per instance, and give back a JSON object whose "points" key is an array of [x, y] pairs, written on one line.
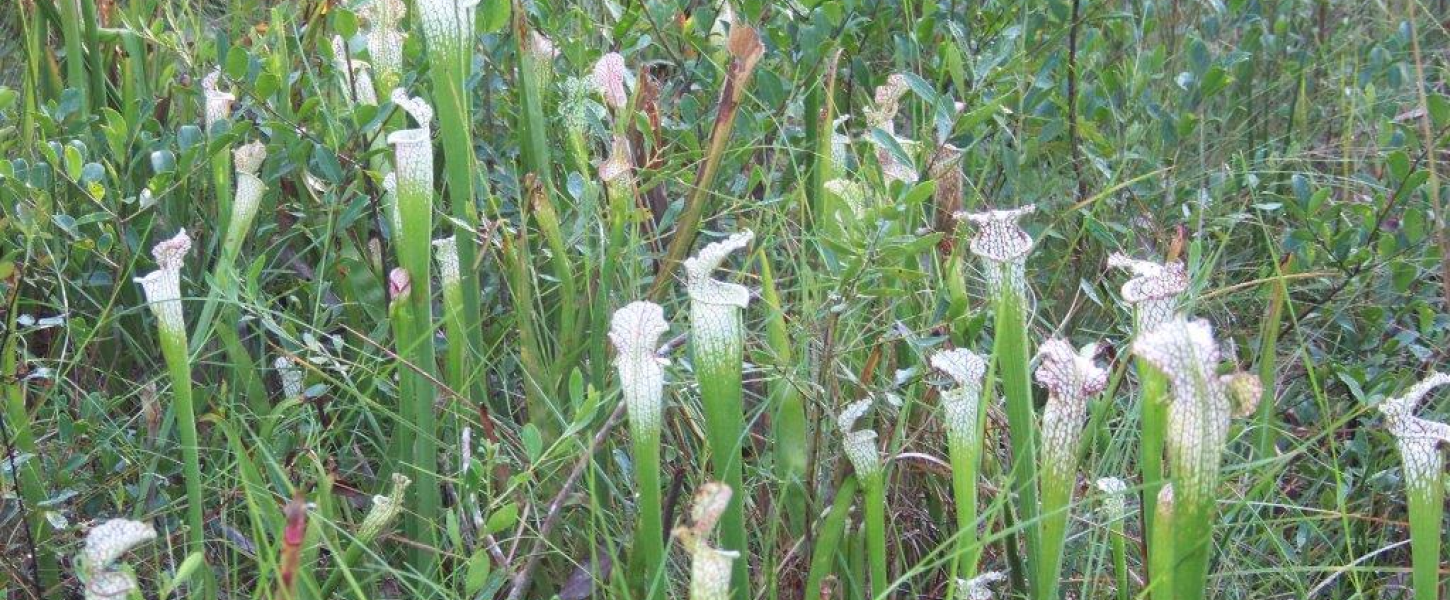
{"points": [[723, 299]]}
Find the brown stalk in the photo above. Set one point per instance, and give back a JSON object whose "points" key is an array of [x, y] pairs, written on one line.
{"points": [[745, 52]]}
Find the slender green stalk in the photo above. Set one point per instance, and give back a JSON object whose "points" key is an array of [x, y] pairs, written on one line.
{"points": [[163, 294], [1153, 414], [1010, 346], [789, 429], [962, 408], [541, 411], [820, 137], [1003, 247], [1202, 405], [1427, 509], [456, 362], [413, 217], [548, 219], [448, 30], [1161, 553], [1154, 292], [860, 448], [828, 538], [1423, 461], [222, 298], [1072, 379], [216, 111], [617, 174], [75, 67], [717, 338], [874, 501], [535, 55], [635, 331]]}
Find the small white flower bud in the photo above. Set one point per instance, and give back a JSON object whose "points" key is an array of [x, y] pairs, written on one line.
{"points": [[248, 160], [171, 254], [960, 404], [710, 503], [702, 288], [887, 103], [163, 286], [400, 284], [384, 511], [1071, 378], [859, 446], [1113, 490], [619, 164]]}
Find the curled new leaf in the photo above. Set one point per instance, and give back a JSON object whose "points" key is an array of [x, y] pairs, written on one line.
{"points": [[699, 268]]}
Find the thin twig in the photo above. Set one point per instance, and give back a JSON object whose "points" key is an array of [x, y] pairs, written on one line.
{"points": [[525, 576]]}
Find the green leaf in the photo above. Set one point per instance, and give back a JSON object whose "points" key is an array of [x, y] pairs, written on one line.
{"points": [[533, 442], [919, 194], [73, 162], [1398, 164], [502, 519], [1439, 109], [479, 568], [237, 63], [163, 161], [267, 84], [344, 22], [494, 14]]}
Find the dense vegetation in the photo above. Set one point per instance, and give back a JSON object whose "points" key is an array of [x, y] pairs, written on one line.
{"points": [[747, 299]]}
